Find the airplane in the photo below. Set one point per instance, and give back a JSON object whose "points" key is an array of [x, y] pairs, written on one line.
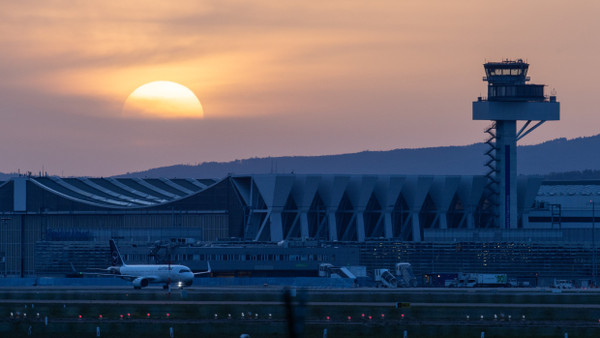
{"points": [[142, 275]]}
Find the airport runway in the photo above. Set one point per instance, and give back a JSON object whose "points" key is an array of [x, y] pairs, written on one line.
{"points": [[348, 312], [281, 303]]}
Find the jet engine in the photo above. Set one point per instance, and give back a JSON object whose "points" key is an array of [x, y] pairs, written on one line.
{"points": [[140, 282]]}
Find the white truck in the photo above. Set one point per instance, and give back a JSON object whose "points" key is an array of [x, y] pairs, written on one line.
{"points": [[471, 280]]}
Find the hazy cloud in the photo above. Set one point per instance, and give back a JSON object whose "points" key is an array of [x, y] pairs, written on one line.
{"points": [[275, 78]]}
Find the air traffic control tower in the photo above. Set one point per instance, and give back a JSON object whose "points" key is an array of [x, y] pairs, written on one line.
{"points": [[510, 99]]}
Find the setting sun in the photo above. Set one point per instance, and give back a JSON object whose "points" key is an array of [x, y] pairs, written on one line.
{"points": [[163, 100]]}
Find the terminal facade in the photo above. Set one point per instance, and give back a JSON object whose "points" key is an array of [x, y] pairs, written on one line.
{"points": [[437, 223]]}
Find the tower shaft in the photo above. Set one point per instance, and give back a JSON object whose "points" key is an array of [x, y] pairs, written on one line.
{"points": [[506, 173]]}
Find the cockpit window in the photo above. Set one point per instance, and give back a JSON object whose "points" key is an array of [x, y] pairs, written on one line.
{"points": [[184, 270]]}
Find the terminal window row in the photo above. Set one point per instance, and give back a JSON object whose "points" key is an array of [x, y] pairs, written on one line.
{"points": [[241, 257]]}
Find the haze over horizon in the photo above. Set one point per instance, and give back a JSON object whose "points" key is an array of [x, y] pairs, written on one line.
{"points": [[275, 79]]}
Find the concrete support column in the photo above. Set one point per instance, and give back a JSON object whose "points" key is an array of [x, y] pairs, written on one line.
{"points": [[360, 225], [470, 217], [442, 219], [304, 224], [416, 229], [387, 224], [387, 190], [276, 226], [331, 223]]}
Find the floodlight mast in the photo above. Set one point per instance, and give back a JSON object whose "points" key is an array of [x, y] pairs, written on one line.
{"points": [[510, 99]]}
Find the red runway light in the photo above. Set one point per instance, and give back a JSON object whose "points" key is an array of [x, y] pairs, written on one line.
{"points": [[148, 314]]}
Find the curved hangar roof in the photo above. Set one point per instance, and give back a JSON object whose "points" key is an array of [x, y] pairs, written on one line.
{"points": [[122, 192]]}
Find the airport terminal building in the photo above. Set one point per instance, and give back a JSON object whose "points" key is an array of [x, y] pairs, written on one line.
{"points": [[286, 224]]}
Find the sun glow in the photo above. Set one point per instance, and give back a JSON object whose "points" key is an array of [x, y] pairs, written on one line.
{"points": [[163, 100]]}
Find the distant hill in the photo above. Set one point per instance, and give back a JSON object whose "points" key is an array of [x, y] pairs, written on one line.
{"points": [[556, 156]]}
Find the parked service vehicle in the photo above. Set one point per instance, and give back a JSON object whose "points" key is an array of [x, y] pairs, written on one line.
{"points": [[471, 280], [405, 275], [384, 278], [562, 284], [440, 279], [401, 277], [330, 271]]}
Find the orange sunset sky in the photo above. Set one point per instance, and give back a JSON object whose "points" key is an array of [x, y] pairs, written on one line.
{"points": [[275, 77]]}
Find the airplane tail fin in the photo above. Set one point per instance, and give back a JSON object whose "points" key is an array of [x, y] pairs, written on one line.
{"points": [[204, 272], [115, 256]]}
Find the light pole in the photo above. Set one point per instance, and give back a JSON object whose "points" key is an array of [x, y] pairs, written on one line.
{"points": [[593, 243]]}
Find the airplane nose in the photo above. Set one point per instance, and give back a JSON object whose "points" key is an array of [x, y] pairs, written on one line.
{"points": [[189, 279]]}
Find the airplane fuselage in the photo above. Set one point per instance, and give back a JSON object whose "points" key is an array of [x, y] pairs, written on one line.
{"points": [[142, 275]]}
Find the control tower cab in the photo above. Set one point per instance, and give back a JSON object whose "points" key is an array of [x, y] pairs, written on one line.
{"points": [[510, 99], [506, 82]]}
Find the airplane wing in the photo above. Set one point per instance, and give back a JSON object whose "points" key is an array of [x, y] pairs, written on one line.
{"points": [[100, 274], [203, 272], [125, 277], [131, 278]]}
